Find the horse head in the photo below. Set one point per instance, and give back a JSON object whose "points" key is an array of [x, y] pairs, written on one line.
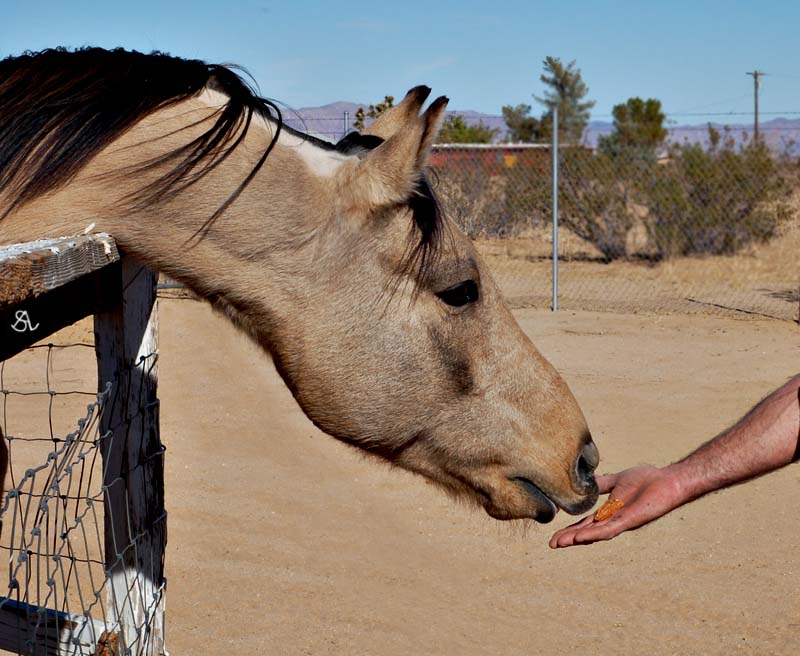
{"points": [[399, 342], [339, 260]]}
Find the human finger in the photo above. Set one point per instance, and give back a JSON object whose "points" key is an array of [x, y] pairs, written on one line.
{"points": [[596, 532], [586, 532], [632, 517], [564, 534], [606, 482]]}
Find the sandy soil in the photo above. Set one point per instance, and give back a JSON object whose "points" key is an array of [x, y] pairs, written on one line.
{"points": [[283, 541]]}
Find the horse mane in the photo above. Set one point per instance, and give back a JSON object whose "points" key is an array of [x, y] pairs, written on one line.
{"points": [[60, 107]]}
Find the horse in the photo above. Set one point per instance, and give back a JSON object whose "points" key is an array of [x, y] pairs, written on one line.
{"points": [[338, 259]]}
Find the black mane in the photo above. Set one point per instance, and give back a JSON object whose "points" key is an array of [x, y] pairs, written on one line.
{"points": [[59, 108]]}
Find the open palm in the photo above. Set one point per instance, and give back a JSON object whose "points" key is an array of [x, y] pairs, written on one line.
{"points": [[648, 493]]}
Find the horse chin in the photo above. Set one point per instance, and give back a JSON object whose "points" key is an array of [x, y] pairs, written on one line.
{"points": [[503, 494], [546, 507], [532, 503], [542, 515]]}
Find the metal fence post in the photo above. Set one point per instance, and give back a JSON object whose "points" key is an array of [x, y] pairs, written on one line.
{"points": [[346, 126], [555, 208]]}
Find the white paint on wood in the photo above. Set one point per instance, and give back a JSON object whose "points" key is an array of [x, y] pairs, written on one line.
{"points": [[135, 520], [29, 629]]}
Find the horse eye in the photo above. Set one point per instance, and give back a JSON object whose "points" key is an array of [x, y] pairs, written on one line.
{"points": [[460, 294]]}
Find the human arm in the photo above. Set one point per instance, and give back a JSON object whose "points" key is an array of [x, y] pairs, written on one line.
{"points": [[765, 439]]}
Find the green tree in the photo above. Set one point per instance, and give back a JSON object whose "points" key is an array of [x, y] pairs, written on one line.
{"points": [[522, 127], [565, 89], [373, 112], [638, 124], [455, 130]]}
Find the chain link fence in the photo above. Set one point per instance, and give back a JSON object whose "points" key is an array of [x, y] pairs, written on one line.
{"points": [[689, 227], [708, 222]]}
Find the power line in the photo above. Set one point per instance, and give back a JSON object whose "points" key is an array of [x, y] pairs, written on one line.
{"points": [[736, 128], [795, 113], [668, 114], [725, 101]]}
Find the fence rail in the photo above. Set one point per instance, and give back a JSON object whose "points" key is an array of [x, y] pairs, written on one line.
{"points": [[84, 520]]}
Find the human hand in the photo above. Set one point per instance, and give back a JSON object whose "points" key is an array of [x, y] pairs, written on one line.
{"points": [[648, 493]]}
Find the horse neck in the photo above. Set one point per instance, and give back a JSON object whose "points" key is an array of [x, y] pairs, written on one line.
{"points": [[251, 249]]}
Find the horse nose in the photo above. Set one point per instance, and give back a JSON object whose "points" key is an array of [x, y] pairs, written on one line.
{"points": [[587, 462]]}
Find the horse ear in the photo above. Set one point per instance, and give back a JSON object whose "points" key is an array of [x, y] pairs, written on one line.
{"points": [[389, 174], [392, 120], [432, 118]]}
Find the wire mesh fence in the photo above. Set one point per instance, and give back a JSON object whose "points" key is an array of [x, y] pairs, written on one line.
{"points": [[706, 222], [687, 228], [68, 582]]}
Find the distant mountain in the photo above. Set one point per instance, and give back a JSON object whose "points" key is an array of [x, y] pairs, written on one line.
{"points": [[780, 134], [328, 122]]}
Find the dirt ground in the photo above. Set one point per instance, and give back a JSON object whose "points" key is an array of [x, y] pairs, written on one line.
{"points": [[283, 541]]}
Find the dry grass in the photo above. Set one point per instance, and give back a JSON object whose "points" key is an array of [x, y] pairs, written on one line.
{"points": [[763, 281]]}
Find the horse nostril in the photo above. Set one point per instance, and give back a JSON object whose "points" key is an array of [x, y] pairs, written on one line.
{"points": [[588, 460], [585, 472], [590, 454]]}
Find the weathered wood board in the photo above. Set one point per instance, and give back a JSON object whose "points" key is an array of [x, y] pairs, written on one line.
{"points": [[49, 284]]}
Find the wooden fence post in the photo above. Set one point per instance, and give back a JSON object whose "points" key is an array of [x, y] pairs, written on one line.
{"points": [[126, 341]]}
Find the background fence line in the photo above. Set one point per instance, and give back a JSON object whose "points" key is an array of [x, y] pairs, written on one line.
{"points": [[707, 221], [689, 229]]}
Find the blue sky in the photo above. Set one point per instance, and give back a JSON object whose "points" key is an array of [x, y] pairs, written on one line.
{"points": [[691, 55]]}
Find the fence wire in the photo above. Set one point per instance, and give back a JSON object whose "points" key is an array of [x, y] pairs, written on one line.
{"points": [[683, 228], [707, 221], [69, 582]]}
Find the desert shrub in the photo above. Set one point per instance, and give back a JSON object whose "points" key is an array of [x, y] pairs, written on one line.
{"points": [[498, 201], [472, 199], [597, 193], [527, 195], [715, 200], [697, 199]]}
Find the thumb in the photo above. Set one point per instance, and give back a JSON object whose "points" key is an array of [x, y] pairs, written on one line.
{"points": [[606, 482]]}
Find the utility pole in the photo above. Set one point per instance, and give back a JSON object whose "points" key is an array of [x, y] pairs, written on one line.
{"points": [[756, 84], [555, 208]]}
